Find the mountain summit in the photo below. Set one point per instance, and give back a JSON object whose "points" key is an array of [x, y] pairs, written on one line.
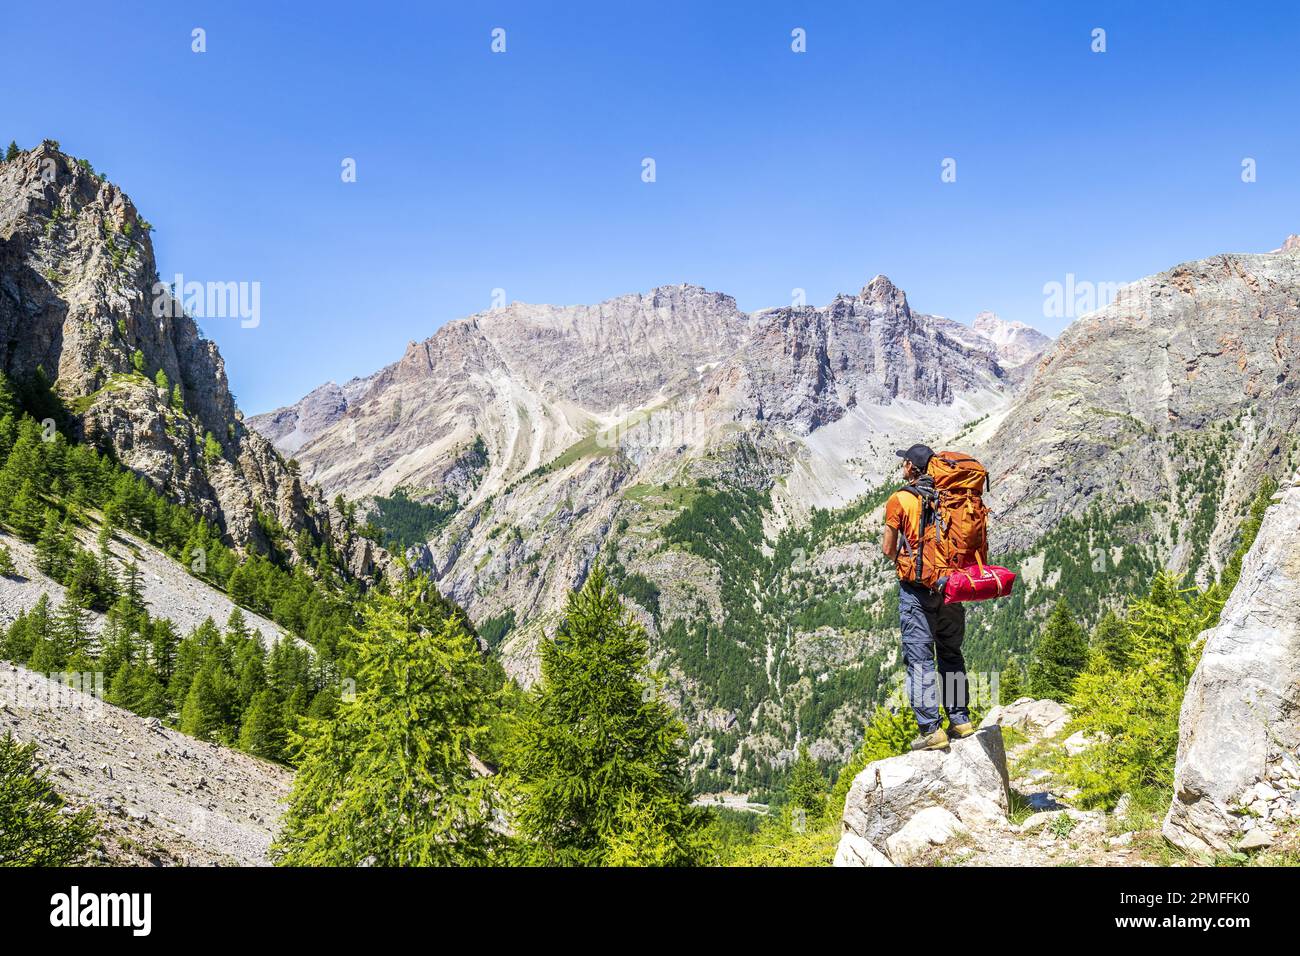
{"points": [[81, 306]]}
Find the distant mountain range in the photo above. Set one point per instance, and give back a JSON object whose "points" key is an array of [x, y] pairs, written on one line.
{"points": [[726, 467], [729, 467]]}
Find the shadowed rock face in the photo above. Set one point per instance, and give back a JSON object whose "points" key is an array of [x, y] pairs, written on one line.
{"points": [[1239, 729], [808, 367], [77, 300], [1111, 405]]}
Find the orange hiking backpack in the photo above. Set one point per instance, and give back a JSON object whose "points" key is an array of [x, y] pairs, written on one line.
{"points": [[961, 519]]}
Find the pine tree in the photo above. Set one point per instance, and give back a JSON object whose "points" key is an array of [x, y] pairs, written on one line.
{"points": [[208, 709], [1059, 655], [54, 548], [27, 630], [7, 567], [163, 642], [262, 729], [1011, 683], [13, 151], [390, 780], [26, 513], [34, 829], [594, 734], [807, 789], [160, 380], [72, 627], [1110, 639]]}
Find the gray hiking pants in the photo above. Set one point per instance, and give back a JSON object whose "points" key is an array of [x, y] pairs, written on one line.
{"points": [[932, 629]]}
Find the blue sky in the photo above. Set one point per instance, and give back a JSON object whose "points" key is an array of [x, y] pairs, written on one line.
{"points": [[775, 170]]}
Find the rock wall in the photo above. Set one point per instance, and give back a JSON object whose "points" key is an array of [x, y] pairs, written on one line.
{"points": [[1237, 775], [80, 300]]}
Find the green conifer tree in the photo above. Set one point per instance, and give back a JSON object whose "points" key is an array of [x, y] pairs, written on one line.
{"points": [[1011, 682], [1110, 639], [390, 779], [807, 789], [54, 548], [261, 732], [1059, 655], [25, 513], [208, 709], [34, 829], [595, 732]]}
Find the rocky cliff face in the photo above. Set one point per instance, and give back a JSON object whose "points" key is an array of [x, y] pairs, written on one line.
{"points": [[288, 429], [1178, 397], [1014, 344], [1238, 771], [529, 380], [808, 368], [79, 301]]}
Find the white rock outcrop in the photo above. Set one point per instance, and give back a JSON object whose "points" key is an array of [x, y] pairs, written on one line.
{"points": [[1035, 718], [1239, 728], [891, 812]]}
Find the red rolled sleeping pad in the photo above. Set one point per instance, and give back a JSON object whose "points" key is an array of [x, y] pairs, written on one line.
{"points": [[978, 582]]}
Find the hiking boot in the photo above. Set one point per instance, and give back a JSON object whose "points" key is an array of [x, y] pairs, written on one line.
{"points": [[935, 741], [958, 731]]}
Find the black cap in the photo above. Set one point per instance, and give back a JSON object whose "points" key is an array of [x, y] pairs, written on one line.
{"points": [[918, 455]]}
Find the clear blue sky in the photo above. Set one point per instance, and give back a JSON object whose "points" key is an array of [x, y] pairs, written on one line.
{"points": [[775, 170]]}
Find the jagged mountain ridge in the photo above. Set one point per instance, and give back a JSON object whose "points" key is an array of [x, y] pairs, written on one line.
{"points": [[530, 380], [77, 301], [793, 408], [1120, 410], [289, 428], [570, 372]]}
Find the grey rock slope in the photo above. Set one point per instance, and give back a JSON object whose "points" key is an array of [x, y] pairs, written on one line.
{"points": [[1238, 771], [78, 302], [160, 797], [529, 380], [1176, 397], [168, 589], [288, 429]]}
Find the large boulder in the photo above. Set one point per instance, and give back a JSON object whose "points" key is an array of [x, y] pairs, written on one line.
{"points": [[1034, 718], [1240, 721], [968, 782]]}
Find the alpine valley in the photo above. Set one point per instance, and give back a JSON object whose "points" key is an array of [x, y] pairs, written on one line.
{"points": [[728, 470]]}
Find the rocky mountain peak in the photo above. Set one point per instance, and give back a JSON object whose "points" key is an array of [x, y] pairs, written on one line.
{"points": [[1292, 244], [80, 299], [882, 293]]}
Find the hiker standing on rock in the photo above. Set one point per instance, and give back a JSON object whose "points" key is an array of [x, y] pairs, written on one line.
{"points": [[914, 540]]}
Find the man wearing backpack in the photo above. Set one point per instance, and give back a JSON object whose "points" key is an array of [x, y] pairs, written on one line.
{"points": [[913, 540]]}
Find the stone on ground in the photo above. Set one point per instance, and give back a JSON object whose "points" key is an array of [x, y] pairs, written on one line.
{"points": [[968, 781]]}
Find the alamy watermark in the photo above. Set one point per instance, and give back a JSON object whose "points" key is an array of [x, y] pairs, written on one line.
{"points": [[64, 690], [209, 300]]}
